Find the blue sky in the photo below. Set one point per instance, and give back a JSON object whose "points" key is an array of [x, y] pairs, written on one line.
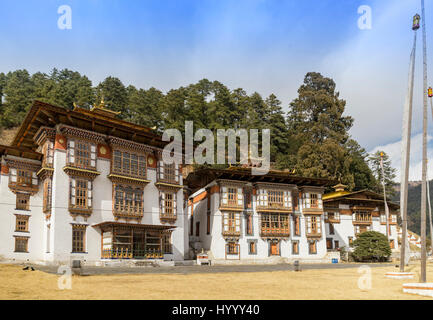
{"points": [[260, 45]]}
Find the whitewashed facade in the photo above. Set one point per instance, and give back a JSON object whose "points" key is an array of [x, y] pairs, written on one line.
{"points": [[70, 193], [348, 214], [238, 218]]}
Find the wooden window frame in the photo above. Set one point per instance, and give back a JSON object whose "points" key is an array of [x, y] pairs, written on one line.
{"points": [[331, 229], [312, 250], [81, 154], [232, 197], [79, 238], [232, 248], [295, 244], [168, 205], [297, 226], [249, 225], [22, 201], [17, 246], [231, 223], [80, 193], [313, 225], [47, 197], [131, 164], [169, 173], [275, 224], [128, 200], [21, 223], [252, 247]]}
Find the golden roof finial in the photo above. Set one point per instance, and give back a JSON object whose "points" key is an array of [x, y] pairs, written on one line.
{"points": [[102, 104]]}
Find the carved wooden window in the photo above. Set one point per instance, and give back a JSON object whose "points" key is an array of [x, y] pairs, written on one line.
{"points": [[249, 224], [295, 247], [232, 197], [232, 248], [80, 193], [362, 216], [274, 223], [130, 164], [168, 172], [48, 152], [231, 222], [81, 154], [22, 223], [312, 246], [252, 247], [312, 200], [23, 177], [274, 198], [47, 195], [314, 225], [21, 244], [168, 204], [128, 200], [23, 201], [78, 238], [297, 227]]}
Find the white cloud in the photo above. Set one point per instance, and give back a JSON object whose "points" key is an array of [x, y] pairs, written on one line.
{"points": [[393, 150]]}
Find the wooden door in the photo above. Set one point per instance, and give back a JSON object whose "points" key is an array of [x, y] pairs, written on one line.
{"points": [[329, 244], [274, 248]]}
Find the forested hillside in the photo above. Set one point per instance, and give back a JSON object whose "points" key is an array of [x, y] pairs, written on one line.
{"points": [[312, 137], [414, 207]]}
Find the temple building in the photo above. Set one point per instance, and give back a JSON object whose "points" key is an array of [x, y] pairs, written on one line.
{"points": [[348, 214], [237, 216], [84, 185]]}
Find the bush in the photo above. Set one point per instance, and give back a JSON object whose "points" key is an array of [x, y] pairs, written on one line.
{"points": [[371, 246]]}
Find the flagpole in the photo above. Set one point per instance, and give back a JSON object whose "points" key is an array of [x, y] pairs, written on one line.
{"points": [[405, 150], [424, 152], [384, 197]]}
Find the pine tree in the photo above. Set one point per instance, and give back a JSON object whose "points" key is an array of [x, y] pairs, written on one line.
{"points": [[374, 161]]}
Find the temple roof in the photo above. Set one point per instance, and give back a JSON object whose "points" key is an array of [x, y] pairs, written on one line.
{"points": [[361, 195], [20, 152], [98, 120], [200, 178]]}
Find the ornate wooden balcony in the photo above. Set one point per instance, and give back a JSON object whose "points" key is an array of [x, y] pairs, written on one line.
{"points": [[275, 232]]}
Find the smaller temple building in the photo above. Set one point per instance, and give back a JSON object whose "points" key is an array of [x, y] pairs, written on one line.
{"points": [[348, 214], [235, 216]]}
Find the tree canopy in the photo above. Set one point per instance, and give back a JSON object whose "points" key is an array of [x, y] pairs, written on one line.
{"points": [[312, 137]]}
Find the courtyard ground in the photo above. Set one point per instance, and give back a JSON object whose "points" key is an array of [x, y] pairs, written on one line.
{"points": [[330, 283]]}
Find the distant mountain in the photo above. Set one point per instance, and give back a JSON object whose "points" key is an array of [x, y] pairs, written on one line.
{"points": [[414, 205]]}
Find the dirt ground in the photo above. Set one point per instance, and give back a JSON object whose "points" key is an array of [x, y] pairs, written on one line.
{"points": [[16, 283]]}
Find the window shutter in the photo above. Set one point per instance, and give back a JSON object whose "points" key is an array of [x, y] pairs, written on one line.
{"points": [[93, 155], [319, 225], [174, 204], [13, 175], [89, 194], [240, 196], [307, 201], [176, 172], [265, 198], [163, 203], [34, 179], [71, 151], [225, 195], [50, 153], [226, 222], [337, 215], [286, 199], [161, 170], [319, 200], [238, 222], [308, 224], [326, 215], [72, 191]]}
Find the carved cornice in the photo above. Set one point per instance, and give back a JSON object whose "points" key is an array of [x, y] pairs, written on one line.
{"points": [[168, 186], [167, 218], [44, 134], [119, 143], [22, 164], [45, 172], [85, 173], [121, 179], [80, 212], [275, 186], [72, 132]]}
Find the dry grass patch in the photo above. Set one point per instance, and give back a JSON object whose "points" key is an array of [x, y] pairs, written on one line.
{"points": [[309, 284]]}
